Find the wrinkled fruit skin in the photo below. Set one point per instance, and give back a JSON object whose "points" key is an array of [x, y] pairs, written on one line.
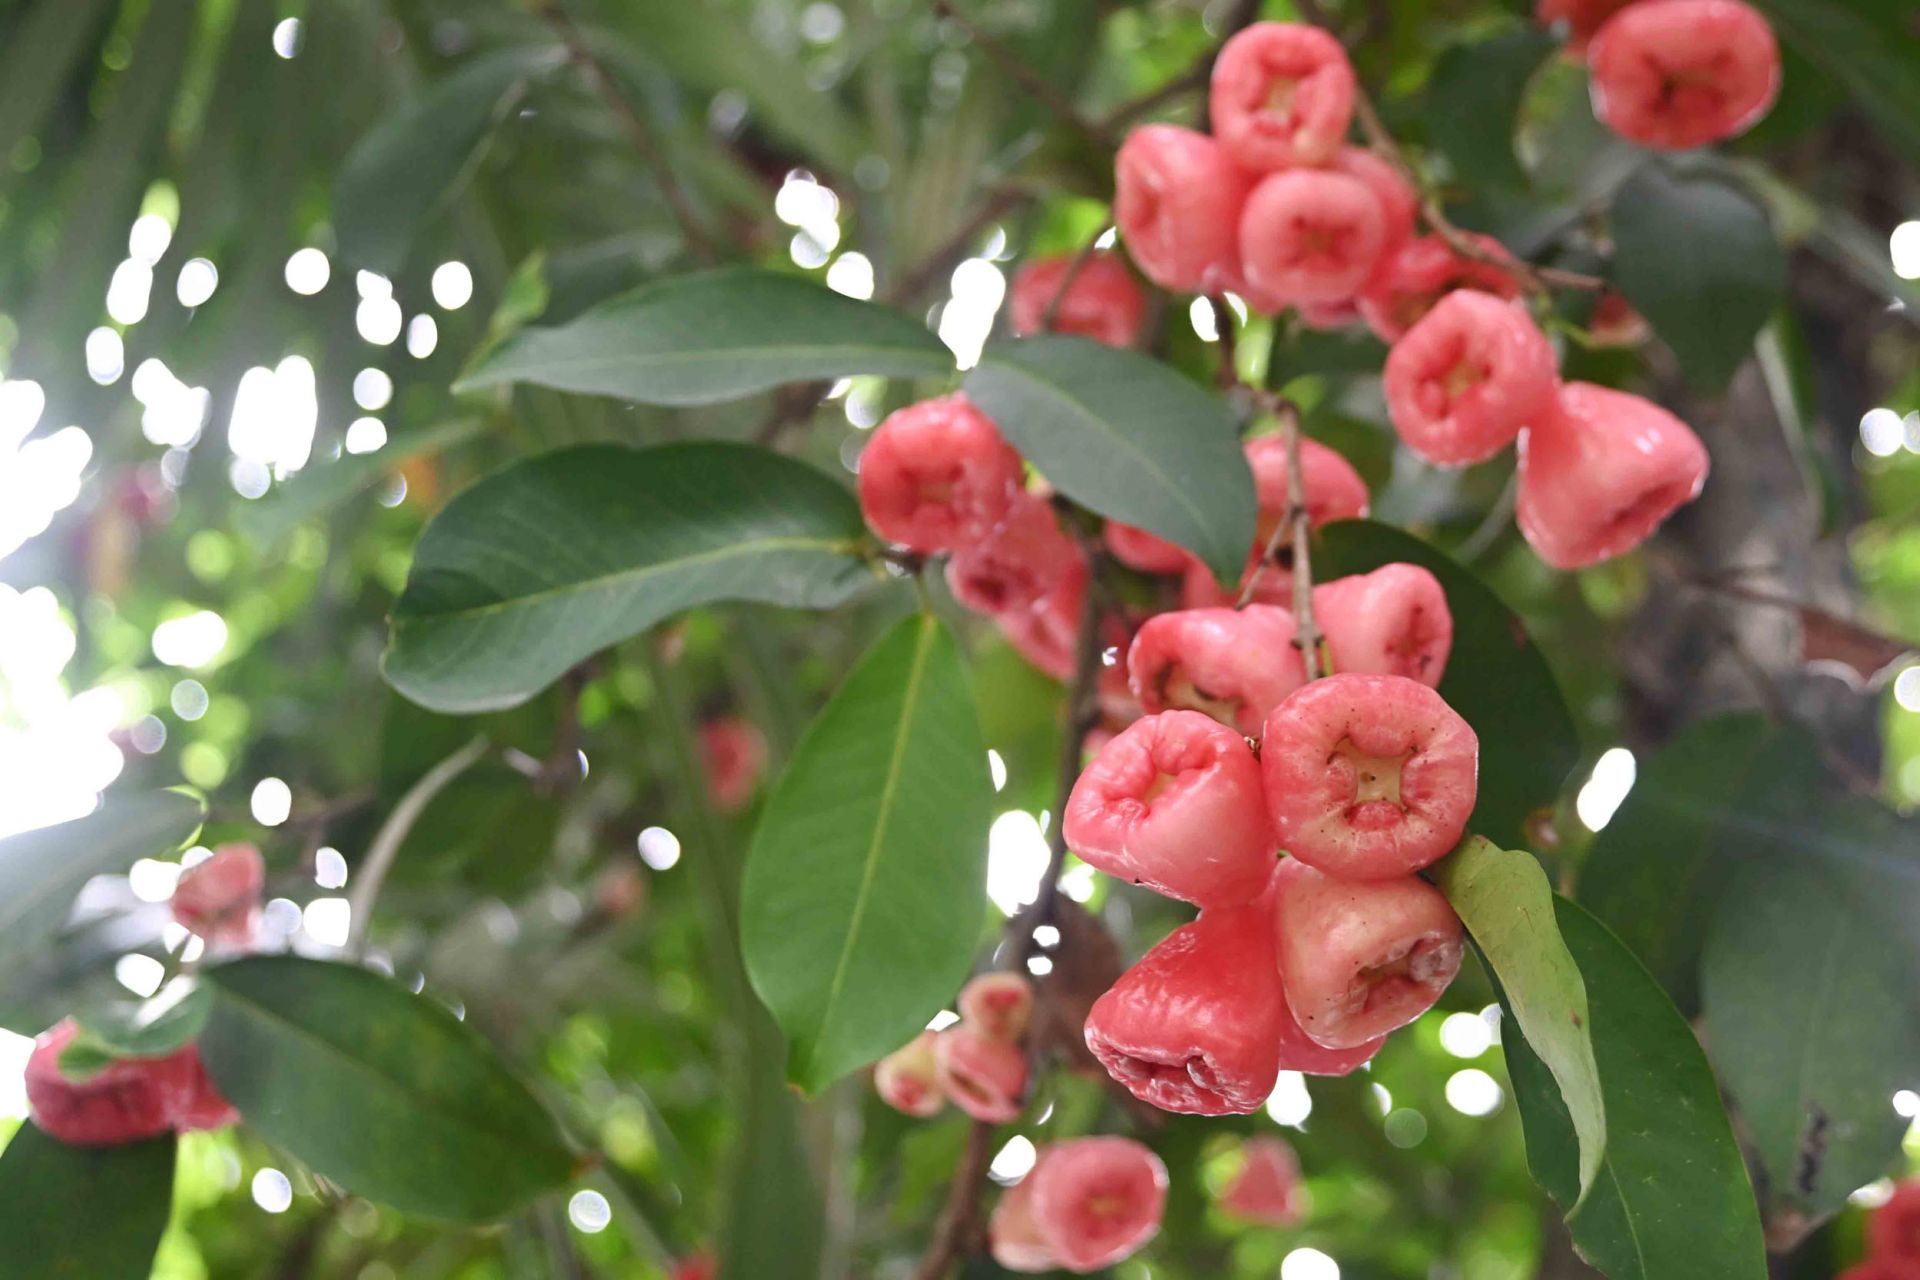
{"points": [[1174, 803], [1282, 95], [999, 1005], [1893, 1232], [1177, 202], [1600, 472], [1233, 665], [1266, 1189], [1361, 958], [1016, 564], [908, 1079], [1095, 1201], [1421, 272], [1683, 73], [734, 752], [1103, 302], [1464, 380], [1393, 621], [1194, 1027], [936, 475], [1310, 236], [133, 1099], [219, 899], [984, 1077]]}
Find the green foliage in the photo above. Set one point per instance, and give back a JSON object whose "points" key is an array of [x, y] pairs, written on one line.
{"points": [[1474, 99], [82, 1213]]}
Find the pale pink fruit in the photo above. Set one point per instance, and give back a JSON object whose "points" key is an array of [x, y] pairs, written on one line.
{"points": [[984, 1077], [1045, 632], [1097, 1200], [1333, 489], [734, 752], [1311, 236], [1421, 272], [1177, 203], [998, 1005], [1282, 95], [1298, 1052], [937, 475], [1103, 302], [1600, 472], [1683, 73], [1174, 803], [219, 899], [1368, 776], [1393, 621], [128, 1100], [1016, 563], [1232, 664], [1399, 205], [1013, 1237], [1463, 381], [1147, 552], [1266, 1188], [908, 1079]]}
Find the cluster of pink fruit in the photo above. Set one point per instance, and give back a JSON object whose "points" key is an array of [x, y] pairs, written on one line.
{"points": [[132, 1098], [977, 1063]]}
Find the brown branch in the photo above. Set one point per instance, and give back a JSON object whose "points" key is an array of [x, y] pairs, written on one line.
{"points": [[942, 258], [1038, 86], [1297, 528], [1052, 314], [1229, 374]]}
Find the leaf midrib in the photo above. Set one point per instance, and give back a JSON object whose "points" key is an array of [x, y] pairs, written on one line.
{"points": [[642, 361]]}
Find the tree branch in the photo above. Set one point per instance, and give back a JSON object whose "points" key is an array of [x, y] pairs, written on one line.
{"points": [[1297, 528], [385, 848], [1038, 86]]}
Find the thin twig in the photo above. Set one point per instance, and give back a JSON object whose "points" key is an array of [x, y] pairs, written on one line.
{"points": [[1198, 76], [371, 875], [942, 257], [1051, 316], [1223, 331], [1296, 527], [1037, 85]]}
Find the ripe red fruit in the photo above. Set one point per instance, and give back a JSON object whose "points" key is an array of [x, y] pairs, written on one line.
{"points": [[695, 1266], [1615, 323], [1194, 1027], [1421, 272], [202, 1106], [1333, 489], [1360, 958], [984, 1077], [1103, 302], [1463, 381], [937, 475], [1299, 1053], [908, 1079], [131, 1099], [1393, 621], [1174, 803], [1266, 1188], [1599, 473], [1046, 631], [998, 1005], [1682, 73], [734, 752], [1149, 553], [1399, 202], [1177, 203], [1893, 1232], [1234, 665], [1878, 1268], [1368, 776], [1095, 1201], [219, 899], [1282, 95], [1581, 18], [1310, 236], [1016, 563]]}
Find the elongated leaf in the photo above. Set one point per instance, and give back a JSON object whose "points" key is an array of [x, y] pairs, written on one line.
{"points": [[715, 335], [1473, 104], [323, 486], [1128, 438], [1507, 905], [1863, 45], [383, 1091], [41, 871], [1672, 1201], [397, 175], [40, 55], [537, 567], [1496, 678], [1697, 256], [82, 1213], [866, 885], [146, 1028]]}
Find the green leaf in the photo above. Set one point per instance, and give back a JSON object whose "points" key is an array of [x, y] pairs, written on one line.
{"points": [[82, 1213], [1507, 905], [553, 559], [324, 485], [866, 886], [146, 1028], [1698, 258], [1863, 45], [381, 1090], [1672, 1201], [1813, 1023], [1473, 104], [41, 871], [1126, 437], [1496, 678], [398, 175], [715, 335]]}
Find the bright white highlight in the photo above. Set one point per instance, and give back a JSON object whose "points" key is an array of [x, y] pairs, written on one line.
{"points": [[1308, 1264], [272, 1191], [659, 848], [1613, 776], [1903, 246], [193, 641], [1465, 1035], [308, 271], [851, 274], [1473, 1092], [1016, 859], [1014, 1161], [1290, 1104], [275, 414], [589, 1212], [967, 319], [198, 279], [1881, 432], [328, 921], [272, 802], [452, 286]]}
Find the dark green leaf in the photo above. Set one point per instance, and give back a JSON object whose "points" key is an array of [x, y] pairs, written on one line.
{"points": [[1473, 103], [1672, 1201], [41, 871], [1496, 678], [146, 1028], [397, 175], [383, 1091], [547, 562], [1697, 256], [716, 335], [82, 1213], [865, 889], [1507, 905], [1128, 438], [1864, 45]]}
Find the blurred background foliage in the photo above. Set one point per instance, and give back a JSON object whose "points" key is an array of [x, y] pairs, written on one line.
{"points": [[246, 246]]}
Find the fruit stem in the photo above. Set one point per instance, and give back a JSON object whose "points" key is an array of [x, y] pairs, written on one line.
{"points": [[1052, 314]]}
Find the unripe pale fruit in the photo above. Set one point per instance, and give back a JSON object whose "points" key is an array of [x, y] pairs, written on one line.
{"points": [[1368, 776], [1282, 95], [1600, 472], [937, 475], [1393, 621], [1578, 18], [1464, 380], [129, 1100], [1147, 552], [1177, 201], [734, 752], [998, 1005], [1232, 664], [1266, 1188], [984, 1077], [908, 1079], [1174, 803], [1683, 73], [1103, 302], [1016, 563], [1194, 1027], [1893, 1231], [219, 899], [1421, 272], [1095, 1201], [1013, 1237], [1310, 236], [1360, 958]]}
